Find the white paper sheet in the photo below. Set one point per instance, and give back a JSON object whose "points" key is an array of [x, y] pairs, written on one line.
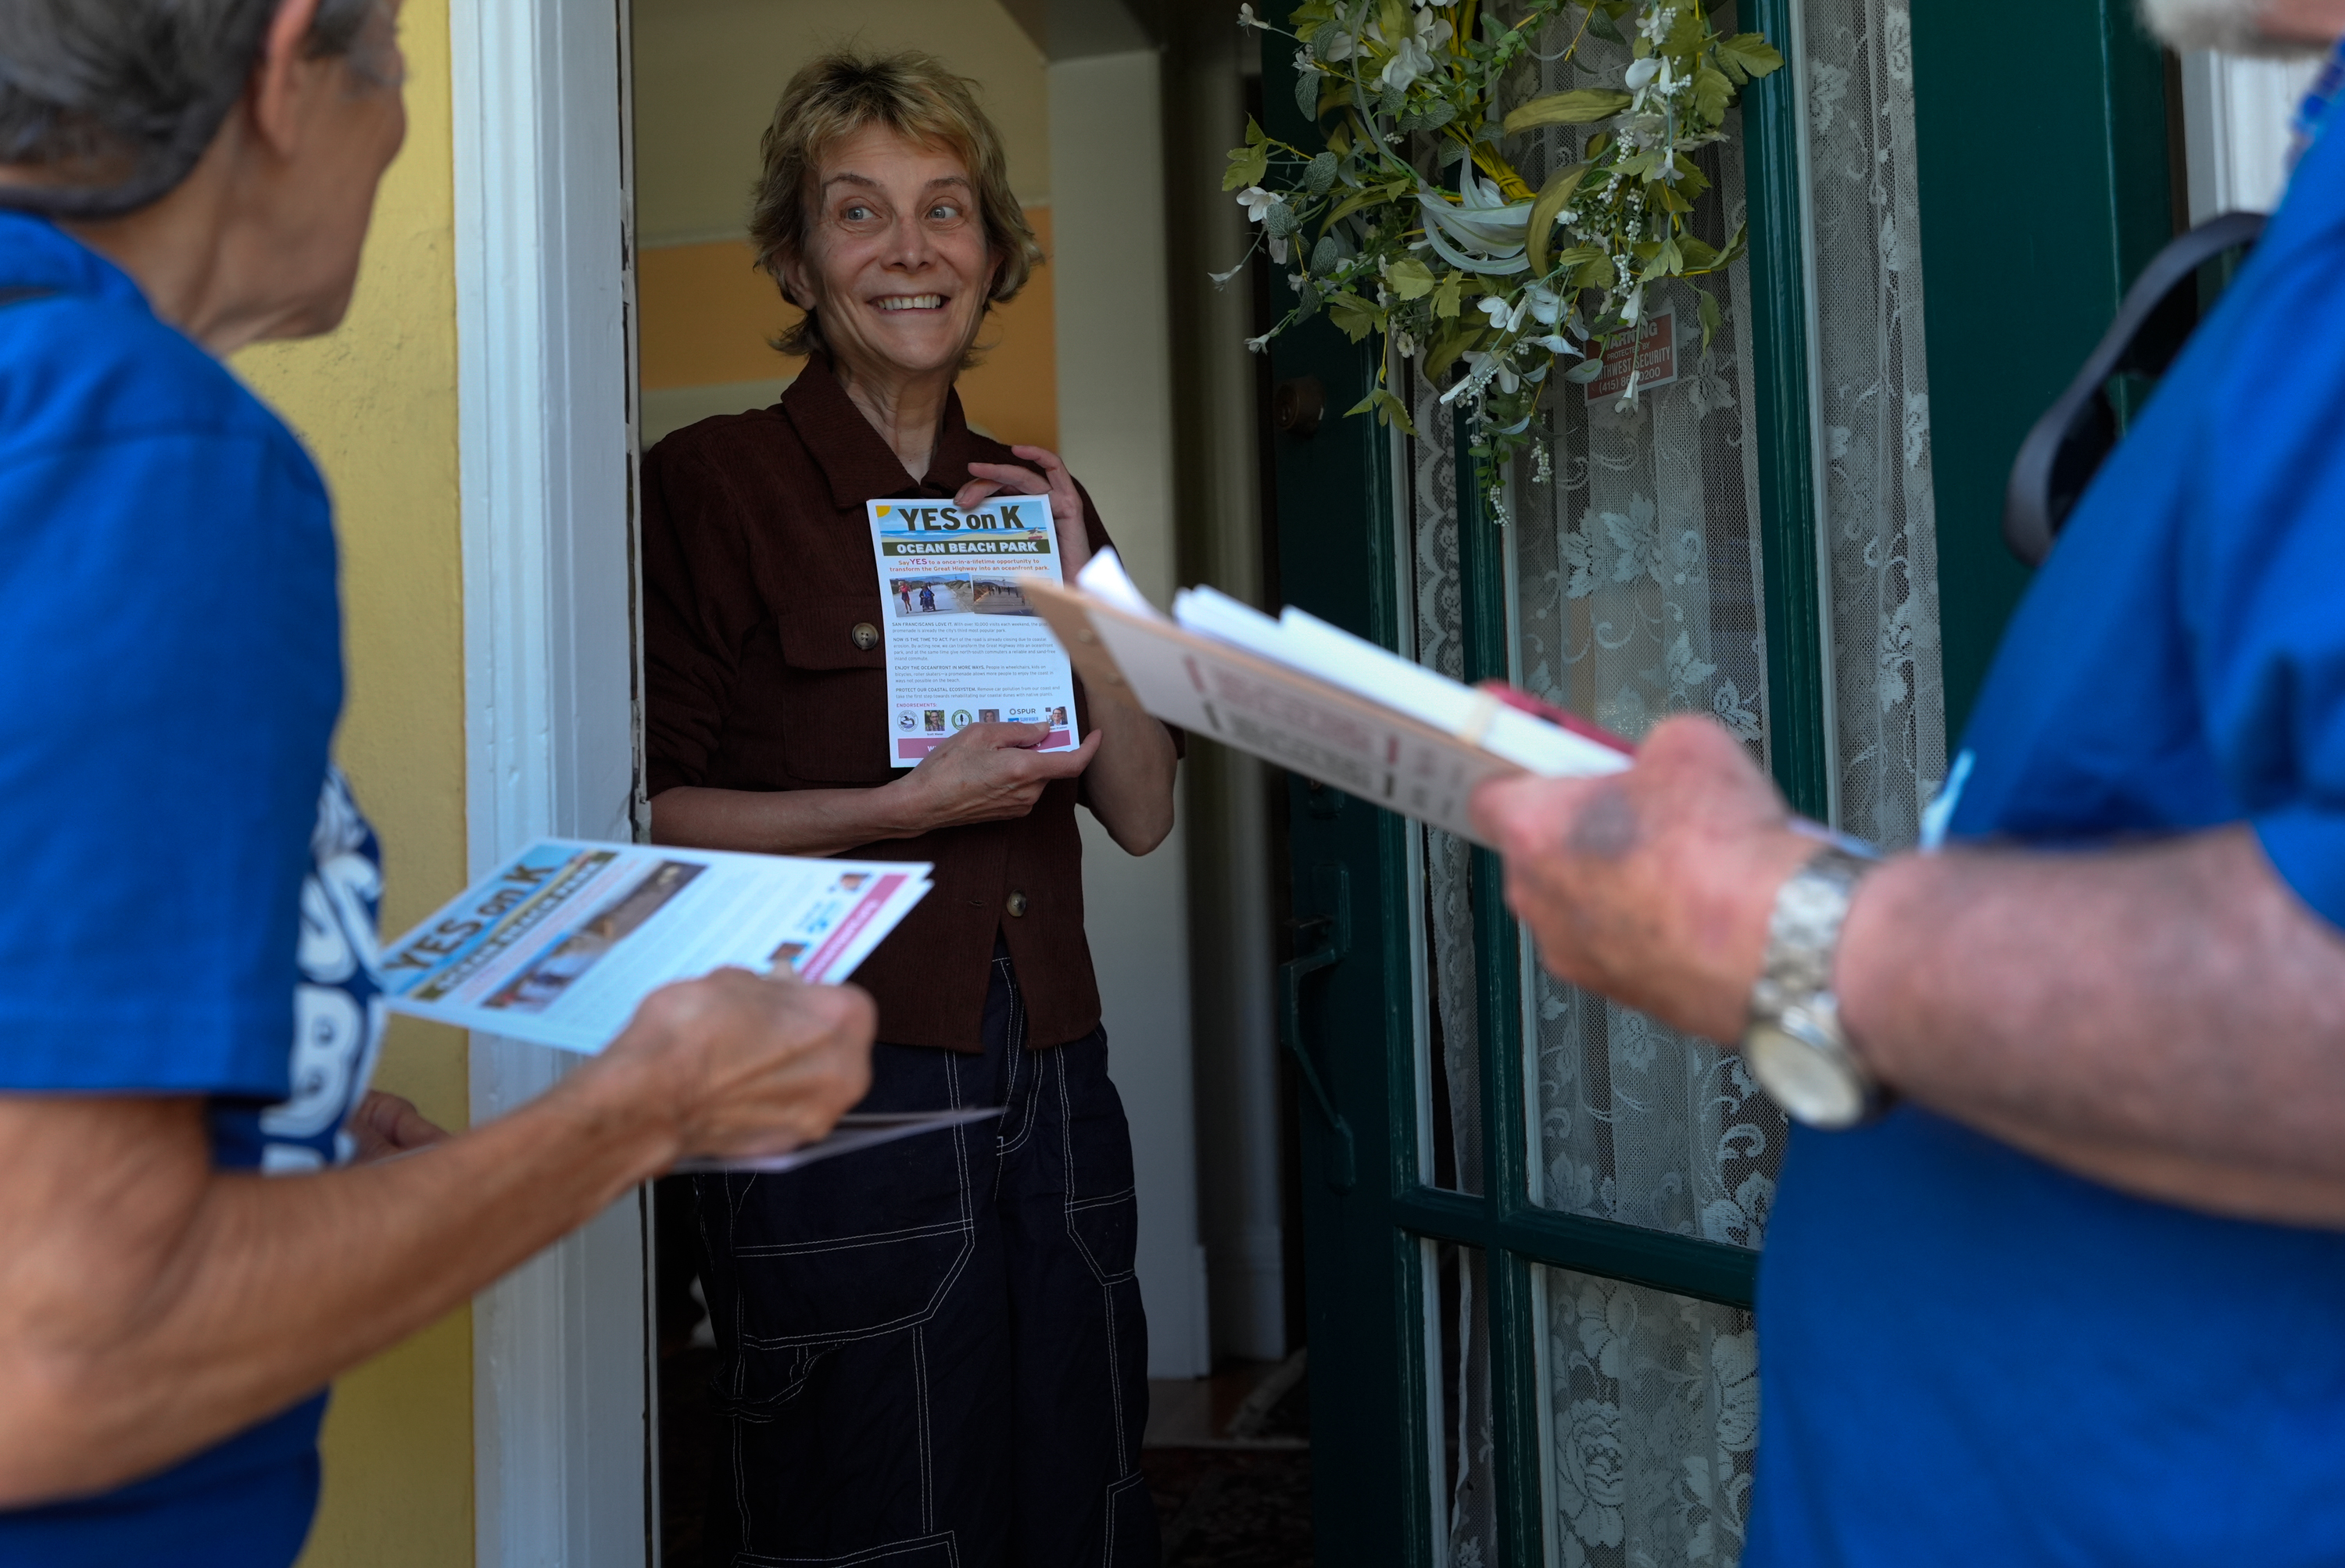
{"points": [[856, 1130], [963, 643], [1309, 696], [563, 941]]}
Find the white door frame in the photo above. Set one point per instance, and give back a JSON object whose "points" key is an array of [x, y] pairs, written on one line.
{"points": [[543, 262], [2236, 134]]}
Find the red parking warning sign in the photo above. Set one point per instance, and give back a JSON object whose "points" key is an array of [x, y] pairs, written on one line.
{"points": [[1652, 357]]}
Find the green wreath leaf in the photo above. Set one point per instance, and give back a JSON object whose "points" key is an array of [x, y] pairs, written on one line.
{"points": [[1712, 93], [1354, 316], [1748, 55], [1553, 198], [1410, 278], [1388, 408], [1579, 106], [1450, 346], [1250, 163]]}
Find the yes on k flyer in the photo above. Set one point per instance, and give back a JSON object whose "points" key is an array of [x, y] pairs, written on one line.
{"points": [[964, 642], [560, 945]]}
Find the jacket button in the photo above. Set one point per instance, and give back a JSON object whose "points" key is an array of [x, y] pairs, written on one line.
{"points": [[1016, 904], [866, 635]]}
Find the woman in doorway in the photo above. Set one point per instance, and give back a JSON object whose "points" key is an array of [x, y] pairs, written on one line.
{"points": [[938, 1345]]}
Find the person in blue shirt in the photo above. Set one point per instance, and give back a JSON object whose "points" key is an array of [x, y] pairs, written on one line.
{"points": [[196, 1227], [2076, 1295]]}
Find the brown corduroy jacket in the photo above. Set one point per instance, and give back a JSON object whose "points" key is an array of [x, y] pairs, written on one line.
{"points": [[758, 573]]}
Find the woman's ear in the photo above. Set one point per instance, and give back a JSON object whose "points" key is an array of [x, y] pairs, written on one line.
{"points": [[795, 280]]}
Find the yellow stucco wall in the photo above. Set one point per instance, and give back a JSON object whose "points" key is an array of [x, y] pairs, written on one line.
{"points": [[377, 404]]}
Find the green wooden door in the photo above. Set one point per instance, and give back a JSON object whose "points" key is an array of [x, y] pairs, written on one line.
{"points": [[1526, 1347]]}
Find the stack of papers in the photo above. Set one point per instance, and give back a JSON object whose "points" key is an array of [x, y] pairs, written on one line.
{"points": [[562, 943], [1311, 698]]}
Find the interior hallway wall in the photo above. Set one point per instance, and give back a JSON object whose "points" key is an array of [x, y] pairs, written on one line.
{"points": [[376, 404], [1115, 423], [1218, 492]]}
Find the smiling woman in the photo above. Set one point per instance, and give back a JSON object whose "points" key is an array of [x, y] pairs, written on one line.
{"points": [[938, 1347]]}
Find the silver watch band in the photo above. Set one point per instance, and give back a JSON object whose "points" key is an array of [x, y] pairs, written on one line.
{"points": [[1803, 935], [1796, 1043]]}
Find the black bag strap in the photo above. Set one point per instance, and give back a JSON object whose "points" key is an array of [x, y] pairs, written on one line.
{"points": [[2075, 437]]}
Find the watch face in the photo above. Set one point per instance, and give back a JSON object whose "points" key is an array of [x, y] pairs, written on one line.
{"points": [[1808, 1079]]}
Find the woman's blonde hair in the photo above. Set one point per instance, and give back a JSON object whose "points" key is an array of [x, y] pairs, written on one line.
{"points": [[912, 93]]}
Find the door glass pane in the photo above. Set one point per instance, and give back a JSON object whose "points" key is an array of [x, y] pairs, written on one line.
{"points": [[1635, 530], [1872, 399], [1636, 552], [1651, 1418], [1448, 913], [1466, 1501]]}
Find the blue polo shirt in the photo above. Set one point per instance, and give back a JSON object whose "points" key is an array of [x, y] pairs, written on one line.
{"points": [[189, 897], [1970, 1357]]}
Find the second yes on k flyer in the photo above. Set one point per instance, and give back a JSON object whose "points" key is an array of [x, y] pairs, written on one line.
{"points": [[964, 646], [559, 943]]}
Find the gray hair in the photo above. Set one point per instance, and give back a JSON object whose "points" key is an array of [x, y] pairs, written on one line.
{"points": [[115, 100]]}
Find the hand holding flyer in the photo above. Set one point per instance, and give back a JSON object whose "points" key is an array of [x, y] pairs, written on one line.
{"points": [[963, 644], [561, 945]]}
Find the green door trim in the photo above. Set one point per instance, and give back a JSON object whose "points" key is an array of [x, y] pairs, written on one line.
{"points": [[1513, 1233], [1365, 1237], [1366, 1303], [1504, 1217], [2022, 271], [1799, 647]]}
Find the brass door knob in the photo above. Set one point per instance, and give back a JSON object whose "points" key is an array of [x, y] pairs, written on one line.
{"points": [[1016, 904], [865, 636], [1295, 406]]}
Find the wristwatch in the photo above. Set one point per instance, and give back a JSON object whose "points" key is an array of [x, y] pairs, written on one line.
{"points": [[1794, 1042]]}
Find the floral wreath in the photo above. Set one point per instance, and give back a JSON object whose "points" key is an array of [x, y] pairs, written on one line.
{"points": [[1468, 264]]}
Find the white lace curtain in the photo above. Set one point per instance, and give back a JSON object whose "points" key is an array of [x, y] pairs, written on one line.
{"points": [[1636, 554]]}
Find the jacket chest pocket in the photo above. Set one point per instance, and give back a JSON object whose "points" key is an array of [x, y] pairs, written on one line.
{"points": [[834, 696]]}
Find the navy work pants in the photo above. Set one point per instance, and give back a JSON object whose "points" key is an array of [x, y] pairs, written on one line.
{"points": [[933, 1350]]}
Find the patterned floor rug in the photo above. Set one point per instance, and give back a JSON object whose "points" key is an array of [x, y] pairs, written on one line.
{"points": [[1231, 1508]]}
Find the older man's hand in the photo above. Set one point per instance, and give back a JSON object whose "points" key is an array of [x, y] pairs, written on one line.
{"points": [[745, 1065], [1653, 887]]}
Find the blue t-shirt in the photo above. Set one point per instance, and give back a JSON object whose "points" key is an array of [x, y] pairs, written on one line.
{"points": [[1970, 1357], [190, 894]]}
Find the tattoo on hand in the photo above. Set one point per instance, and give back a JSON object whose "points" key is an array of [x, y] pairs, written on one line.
{"points": [[1608, 830]]}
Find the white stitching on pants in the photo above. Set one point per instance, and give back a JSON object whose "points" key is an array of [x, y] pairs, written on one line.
{"points": [[920, 1408], [853, 1559], [1067, 1219], [1107, 1556], [1017, 1055]]}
